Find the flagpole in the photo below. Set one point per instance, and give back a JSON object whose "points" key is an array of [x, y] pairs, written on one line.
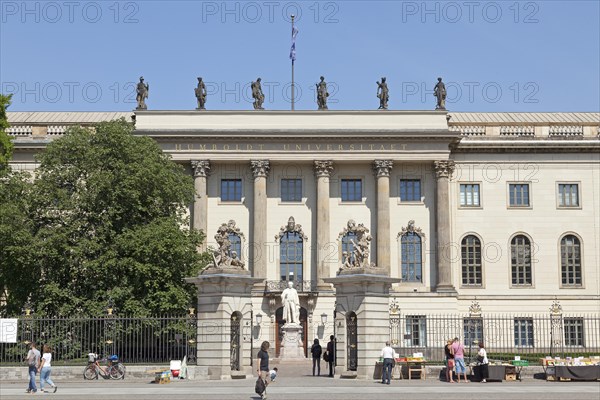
{"points": [[293, 91]]}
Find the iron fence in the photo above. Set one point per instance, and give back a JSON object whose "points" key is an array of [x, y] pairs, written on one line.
{"points": [[530, 337], [135, 340]]}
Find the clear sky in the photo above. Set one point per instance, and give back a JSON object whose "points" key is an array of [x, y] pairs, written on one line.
{"points": [[493, 55]]}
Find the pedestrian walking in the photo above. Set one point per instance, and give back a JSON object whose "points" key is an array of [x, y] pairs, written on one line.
{"points": [[45, 369], [262, 366], [449, 361], [331, 356], [316, 351], [387, 353], [33, 362], [458, 351], [483, 363]]}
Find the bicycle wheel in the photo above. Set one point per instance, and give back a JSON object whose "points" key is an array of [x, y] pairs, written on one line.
{"points": [[90, 373], [117, 371]]}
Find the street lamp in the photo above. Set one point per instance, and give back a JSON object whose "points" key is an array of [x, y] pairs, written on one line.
{"points": [[110, 306], [323, 318], [258, 319]]}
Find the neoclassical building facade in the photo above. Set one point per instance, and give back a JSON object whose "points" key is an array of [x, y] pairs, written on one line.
{"points": [[498, 208]]}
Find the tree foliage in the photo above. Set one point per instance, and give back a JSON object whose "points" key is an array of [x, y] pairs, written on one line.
{"points": [[107, 214], [6, 145]]}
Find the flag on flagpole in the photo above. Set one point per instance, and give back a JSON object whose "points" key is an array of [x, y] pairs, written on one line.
{"points": [[293, 49]]}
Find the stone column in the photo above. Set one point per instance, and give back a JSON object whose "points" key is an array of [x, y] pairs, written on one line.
{"points": [[323, 170], [443, 171], [382, 171], [260, 171], [201, 170]]}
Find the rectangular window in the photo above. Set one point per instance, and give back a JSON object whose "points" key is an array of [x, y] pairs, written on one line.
{"points": [[291, 190], [351, 190], [410, 190], [416, 331], [473, 328], [568, 195], [524, 332], [469, 195], [231, 190], [518, 194], [574, 332]]}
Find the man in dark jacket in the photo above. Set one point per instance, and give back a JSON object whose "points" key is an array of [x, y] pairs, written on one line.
{"points": [[316, 352], [331, 355]]}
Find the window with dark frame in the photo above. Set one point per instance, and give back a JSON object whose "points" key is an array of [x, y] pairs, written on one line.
{"points": [[291, 254], [520, 261], [236, 244], [416, 330], [471, 261], [570, 261], [469, 195], [518, 195], [351, 190], [568, 195], [410, 190], [473, 329], [291, 189], [573, 329], [411, 257], [523, 332], [231, 190], [348, 241]]}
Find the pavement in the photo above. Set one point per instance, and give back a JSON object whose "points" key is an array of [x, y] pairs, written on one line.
{"points": [[311, 388]]}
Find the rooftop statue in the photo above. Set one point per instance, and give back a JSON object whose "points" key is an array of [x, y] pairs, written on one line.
{"points": [[142, 94], [439, 91], [200, 92], [322, 94], [383, 94], [257, 95]]}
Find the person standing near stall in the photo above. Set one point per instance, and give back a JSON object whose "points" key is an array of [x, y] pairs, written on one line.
{"points": [[387, 353], [449, 361], [483, 362], [458, 351]]}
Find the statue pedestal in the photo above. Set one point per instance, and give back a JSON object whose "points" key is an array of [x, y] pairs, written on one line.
{"points": [[225, 346], [291, 343], [362, 320]]}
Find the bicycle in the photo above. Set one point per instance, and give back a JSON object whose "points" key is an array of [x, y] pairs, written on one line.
{"points": [[114, 369]]}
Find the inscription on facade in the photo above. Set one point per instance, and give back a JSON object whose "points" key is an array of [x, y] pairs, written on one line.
{"points": [[285, 147]]}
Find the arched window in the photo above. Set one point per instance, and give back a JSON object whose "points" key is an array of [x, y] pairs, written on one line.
{"points": [[520, 260], [471, 261], [412, 265], [291, 256], [236, 244], [348, 246], [570, 261]]}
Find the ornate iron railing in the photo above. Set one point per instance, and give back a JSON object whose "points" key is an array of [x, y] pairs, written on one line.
{"points": [[300, 286], [149, 340], [529, 336]]}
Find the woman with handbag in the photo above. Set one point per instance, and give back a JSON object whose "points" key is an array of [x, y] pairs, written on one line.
{"points": [[483, 362], [449, 361]]}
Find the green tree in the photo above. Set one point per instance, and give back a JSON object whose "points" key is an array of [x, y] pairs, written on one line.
{"points": [[109, 221], [6, 145]]}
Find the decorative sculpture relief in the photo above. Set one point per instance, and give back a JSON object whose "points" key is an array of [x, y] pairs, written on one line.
{"points": [[359, 258], [290, 227], [223, 257], [475, 308], [410, 228]]}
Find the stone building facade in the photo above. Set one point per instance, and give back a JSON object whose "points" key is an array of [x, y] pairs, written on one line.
{"points": [[500, 209]]}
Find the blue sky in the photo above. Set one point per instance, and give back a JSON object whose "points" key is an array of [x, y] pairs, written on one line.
{"points": [[493, 55]]}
